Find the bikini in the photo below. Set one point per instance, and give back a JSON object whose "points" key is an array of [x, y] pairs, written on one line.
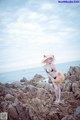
{"points": [[51, 71]]}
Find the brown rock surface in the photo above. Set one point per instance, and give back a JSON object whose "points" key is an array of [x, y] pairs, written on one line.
{"points": [[33, 100]]}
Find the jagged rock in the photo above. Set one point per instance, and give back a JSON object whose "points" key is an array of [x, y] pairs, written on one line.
{"points": [[38, 78], [23, 112], [9, 97], [45, 85], [23, 80], [67, 85], [73, 74], [67, 96], [77, 94], [43, 94], [68, 117], [33, 100], [17, 84], [12, 113], [75, 86], [77, 113], [18, 112], [74, 70], [30, 88], [52, 116]]}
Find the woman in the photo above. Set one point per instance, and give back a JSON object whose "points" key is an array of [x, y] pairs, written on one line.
{"points": [[52, 74]]}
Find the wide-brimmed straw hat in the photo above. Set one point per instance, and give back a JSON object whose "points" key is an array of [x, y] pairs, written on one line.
{"points": [[45, 57]]}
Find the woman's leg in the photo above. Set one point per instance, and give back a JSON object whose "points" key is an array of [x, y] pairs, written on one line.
{"points": [[59, 93], [56, 92]]}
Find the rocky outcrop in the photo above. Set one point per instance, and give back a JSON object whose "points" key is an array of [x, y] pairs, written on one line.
{"points": [[34, 100]]}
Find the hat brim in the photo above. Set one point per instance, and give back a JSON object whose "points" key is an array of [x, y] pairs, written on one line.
{"points": [[49, 57]]}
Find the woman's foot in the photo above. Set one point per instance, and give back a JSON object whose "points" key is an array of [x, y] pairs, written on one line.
{"points": [[60, 102], [56, 102]]}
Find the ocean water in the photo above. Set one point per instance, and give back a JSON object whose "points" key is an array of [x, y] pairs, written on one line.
{"points": [[9, 77]]}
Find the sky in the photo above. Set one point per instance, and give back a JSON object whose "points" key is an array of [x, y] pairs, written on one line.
{"points": [[31, 28]]}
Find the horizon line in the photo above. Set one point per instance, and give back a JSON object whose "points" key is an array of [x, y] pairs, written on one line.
{"points": [[31, 67]]}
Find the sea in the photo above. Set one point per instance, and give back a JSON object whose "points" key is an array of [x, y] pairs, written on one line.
{"points": [[29, 73]]}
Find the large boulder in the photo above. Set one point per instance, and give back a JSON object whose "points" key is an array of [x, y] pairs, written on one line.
{"points": [[17, 84], [12, 113], [9, 97], [29, 88], [73, 73], [45, 85], [75, 86], [77, 113], [24, 80], [67, 85], [18, 112], [38, 78], [77, 94]]}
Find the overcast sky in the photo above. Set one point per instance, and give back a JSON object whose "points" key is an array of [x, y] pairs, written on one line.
{"points": [[31, 28]]}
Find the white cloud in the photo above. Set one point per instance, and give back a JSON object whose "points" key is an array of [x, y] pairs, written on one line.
{"points": [[47, 6], [34, 33]]}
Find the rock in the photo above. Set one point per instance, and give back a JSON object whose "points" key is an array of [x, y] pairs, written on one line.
{"points": [[77, 113], [52, 116], [12, 113], [37, 78], [77, 69], [2, 92], [9, 97], [73, 73], [43, 94], [5, 104], [73, 77], [49, 81], [17, 84], [77, 94], [41, 84], [18, 112], [75, 86], [65, 118], [37, 104], [74, 70], [23, 80], [33, 100], [67, 96], [67, 85], [45, 85], [68, 117], [29, 88], [23, 115]]}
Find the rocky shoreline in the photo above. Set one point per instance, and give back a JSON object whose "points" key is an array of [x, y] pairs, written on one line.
{"points": [[34, 99]]}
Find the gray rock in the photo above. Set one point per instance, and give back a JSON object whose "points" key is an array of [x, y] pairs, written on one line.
{"points": [[67, 85], [77, 94], [77, 113], [23, 80], [75, 86], [38, 78], [23, 112], [17, 84], [29, 88], [9, 97], [12, 113]]}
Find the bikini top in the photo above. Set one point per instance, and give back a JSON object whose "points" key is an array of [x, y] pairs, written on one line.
{"points": [[52, 70]]}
